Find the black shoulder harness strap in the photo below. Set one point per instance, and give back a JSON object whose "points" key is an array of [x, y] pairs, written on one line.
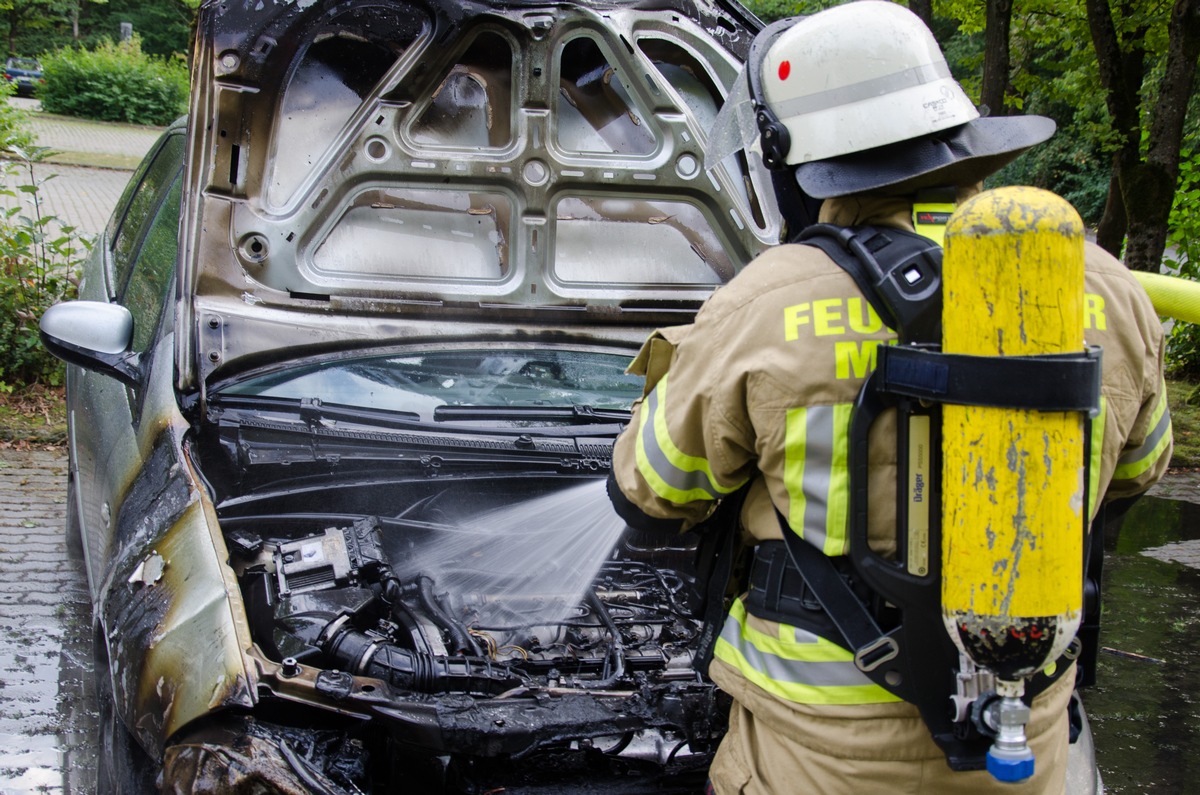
{"points": [[899, 273]]}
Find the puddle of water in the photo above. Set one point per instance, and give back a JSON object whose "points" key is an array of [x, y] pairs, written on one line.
{"points": [[1145, 708]]}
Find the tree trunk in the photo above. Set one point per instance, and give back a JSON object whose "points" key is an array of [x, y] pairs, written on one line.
{"points": [[1110, 233], [996, 56], [1147, 184], [924, 10], [1149, 190]]}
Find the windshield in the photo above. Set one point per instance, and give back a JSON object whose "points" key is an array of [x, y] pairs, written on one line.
{"points": [[421, 382]]}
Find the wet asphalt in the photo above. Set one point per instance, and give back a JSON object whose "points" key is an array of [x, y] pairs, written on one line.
{"points": [[47, 692]]}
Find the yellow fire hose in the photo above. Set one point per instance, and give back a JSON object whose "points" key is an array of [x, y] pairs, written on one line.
{"points": [[1172, 296]]}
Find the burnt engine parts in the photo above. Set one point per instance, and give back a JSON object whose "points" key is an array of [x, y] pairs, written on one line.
{"points": [[355, 598]]}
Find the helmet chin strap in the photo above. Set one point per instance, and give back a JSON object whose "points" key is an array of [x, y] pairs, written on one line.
{"points": [[799, 210], [774, 138]]}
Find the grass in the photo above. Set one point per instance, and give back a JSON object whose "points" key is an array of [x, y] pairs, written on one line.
{"points": [[33, 415], [1185, 423], [94, 160]]}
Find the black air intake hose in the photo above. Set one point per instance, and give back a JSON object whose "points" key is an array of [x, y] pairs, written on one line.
{"points": [[459, 636], [364, 655]]}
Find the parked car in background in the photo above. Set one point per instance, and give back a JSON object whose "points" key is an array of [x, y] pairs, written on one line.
{"points": [[25, 74], [346, 370]]}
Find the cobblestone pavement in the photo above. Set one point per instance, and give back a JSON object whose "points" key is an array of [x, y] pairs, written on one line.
{"points": [[78, 193], [78, 135], [47, 718], [78, 196]]}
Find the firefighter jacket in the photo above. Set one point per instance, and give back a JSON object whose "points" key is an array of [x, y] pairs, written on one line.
{"points": [[758, 392]]}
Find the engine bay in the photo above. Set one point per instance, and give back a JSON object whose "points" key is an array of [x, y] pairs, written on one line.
{"points": [[493, 617], [344, 598]]}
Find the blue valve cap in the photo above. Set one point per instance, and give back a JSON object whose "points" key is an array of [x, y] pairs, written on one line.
{"points": [[1009, 766]]}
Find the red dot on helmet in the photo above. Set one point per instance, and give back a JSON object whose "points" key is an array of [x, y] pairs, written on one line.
{"points": [[785, 69]]}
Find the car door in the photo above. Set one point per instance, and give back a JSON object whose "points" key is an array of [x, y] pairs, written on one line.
{"points": [[132, 265]]}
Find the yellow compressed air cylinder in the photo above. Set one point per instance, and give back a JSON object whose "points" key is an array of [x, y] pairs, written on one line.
{"points": [[1012, 479]]}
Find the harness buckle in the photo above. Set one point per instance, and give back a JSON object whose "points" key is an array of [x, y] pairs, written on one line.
{"points": [[876, 653]]}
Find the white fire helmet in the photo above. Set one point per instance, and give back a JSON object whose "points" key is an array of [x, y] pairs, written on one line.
{"points": [[859, 76], [858, 98]]}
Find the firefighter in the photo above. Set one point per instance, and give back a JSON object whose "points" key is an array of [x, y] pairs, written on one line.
{"points": [[755, 397]]}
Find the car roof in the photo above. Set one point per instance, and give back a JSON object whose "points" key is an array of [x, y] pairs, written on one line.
{"points": [[356, 165]]}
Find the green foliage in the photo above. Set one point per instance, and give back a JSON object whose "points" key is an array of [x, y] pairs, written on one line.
{"points": [[34, 27], [39, 259], [12, 121], [114, 82], [1183, 256], [772, 10], [164, 26]]}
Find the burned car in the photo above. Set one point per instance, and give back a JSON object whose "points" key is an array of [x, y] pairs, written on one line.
{"points": [[345, 372]]}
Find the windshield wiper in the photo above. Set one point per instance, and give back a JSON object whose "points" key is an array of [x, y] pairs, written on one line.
{"points": [[314, 410], [576, 415]]}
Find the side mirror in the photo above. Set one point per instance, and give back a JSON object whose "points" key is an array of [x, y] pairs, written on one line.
{"points": [[93, 335]]}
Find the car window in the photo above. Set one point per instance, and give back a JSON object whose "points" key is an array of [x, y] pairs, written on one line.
{"points": [[143, 206], [422, 381], [145, 293]]}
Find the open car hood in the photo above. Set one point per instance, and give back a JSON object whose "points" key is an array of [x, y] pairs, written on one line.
{"points": [[377, 169]]}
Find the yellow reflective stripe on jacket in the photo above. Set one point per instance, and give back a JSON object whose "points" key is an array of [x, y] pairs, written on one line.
{"points": [[798, 666], [1135, 462], [671, 473], [1095, 458], [817, 474]]}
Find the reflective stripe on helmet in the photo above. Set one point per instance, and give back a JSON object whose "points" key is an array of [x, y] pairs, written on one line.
{"points": [[797, 666], [862, 90], [674, 475], [817, 475]]}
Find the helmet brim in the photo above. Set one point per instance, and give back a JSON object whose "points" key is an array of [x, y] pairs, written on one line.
{"points": [[958, 156]]}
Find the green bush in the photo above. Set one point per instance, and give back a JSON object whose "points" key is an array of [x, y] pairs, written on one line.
{"points": [[1183, 255], [12, 121], [39, 258], [114, 82], [39, 263]]}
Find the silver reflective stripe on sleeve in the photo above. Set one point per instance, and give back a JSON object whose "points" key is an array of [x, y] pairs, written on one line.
{"points": [[817, 476], [1134, 462], [673, 475]]}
